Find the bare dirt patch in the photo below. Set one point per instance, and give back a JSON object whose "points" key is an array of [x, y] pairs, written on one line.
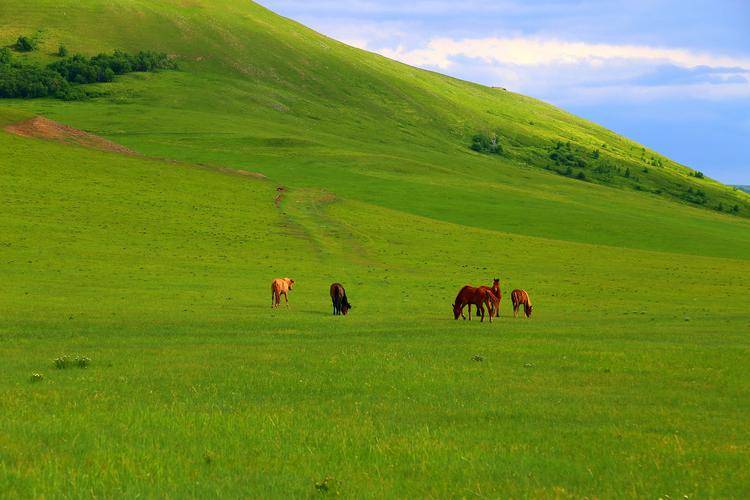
{"points": [[46, 129], [43, 128], [257, 175]]}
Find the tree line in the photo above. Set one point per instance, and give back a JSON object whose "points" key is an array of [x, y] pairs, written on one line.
{"points": [[22, 79]]}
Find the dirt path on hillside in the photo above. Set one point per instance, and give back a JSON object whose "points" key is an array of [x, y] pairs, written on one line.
{"points": [[44, 128]]}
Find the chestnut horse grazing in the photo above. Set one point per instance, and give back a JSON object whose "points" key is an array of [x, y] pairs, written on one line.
{"points": [[279, 287], [341, 304], [473, 297], [520, 297]]}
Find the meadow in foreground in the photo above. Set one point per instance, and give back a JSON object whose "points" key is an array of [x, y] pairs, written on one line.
{"points": [[621, 384]]}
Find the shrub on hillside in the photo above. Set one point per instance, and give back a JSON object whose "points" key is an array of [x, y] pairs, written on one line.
{"points": [[25, 44], [62, 51], [483, 143], [695, 196], [5, 56], [564, 155]]}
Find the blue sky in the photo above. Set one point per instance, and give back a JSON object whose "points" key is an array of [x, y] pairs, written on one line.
{"points": [[674, 75]]}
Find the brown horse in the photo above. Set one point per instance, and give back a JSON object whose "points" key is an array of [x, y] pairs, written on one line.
{"points": [[473, 296], [341, 304], [520, 297], [495, 289], [279, 287]]}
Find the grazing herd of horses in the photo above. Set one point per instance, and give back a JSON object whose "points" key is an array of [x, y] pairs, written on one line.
{"points": [[489, 296], [479, 297]]}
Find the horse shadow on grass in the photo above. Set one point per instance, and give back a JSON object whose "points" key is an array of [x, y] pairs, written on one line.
{"points": [[292, 309]]}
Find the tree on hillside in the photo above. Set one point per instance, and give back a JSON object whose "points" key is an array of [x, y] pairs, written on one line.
{"points": [[25, 44]]}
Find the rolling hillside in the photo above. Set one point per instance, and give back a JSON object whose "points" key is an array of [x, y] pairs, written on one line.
{"points": [[256, 89], [145, 238]]}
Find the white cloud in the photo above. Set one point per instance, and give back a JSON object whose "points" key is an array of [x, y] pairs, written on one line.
{"points": [[568, 72], [440, 53], [418, 7], [517, 45]]}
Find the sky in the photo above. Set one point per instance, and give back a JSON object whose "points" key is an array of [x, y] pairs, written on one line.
{"points": [[671, 74]]}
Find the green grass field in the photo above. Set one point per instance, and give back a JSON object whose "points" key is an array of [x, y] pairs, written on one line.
{"points": [[630, 380]]}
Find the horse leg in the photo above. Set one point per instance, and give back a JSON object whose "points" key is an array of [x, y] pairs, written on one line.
{"points": [[273, 297], [469, 311], [515, 310], [480, 307]]}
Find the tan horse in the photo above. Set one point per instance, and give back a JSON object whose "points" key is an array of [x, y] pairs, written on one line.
{"points": [[520, 297], [279, 287]]}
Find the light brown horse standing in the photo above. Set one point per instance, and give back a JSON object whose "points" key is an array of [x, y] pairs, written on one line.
{"points": [[521, 297], [473, 296], [279, 287]]}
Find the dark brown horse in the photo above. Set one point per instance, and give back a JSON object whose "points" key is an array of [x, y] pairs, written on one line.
{"points": [[495, 289], [520, 297], [341, 304], [473, 297]]}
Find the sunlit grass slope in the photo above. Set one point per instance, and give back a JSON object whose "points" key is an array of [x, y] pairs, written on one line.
{"points": [[259, 90], [629, 381]]}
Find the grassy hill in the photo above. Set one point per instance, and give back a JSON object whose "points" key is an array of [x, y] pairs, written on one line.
{"points": [[629, 381]]}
